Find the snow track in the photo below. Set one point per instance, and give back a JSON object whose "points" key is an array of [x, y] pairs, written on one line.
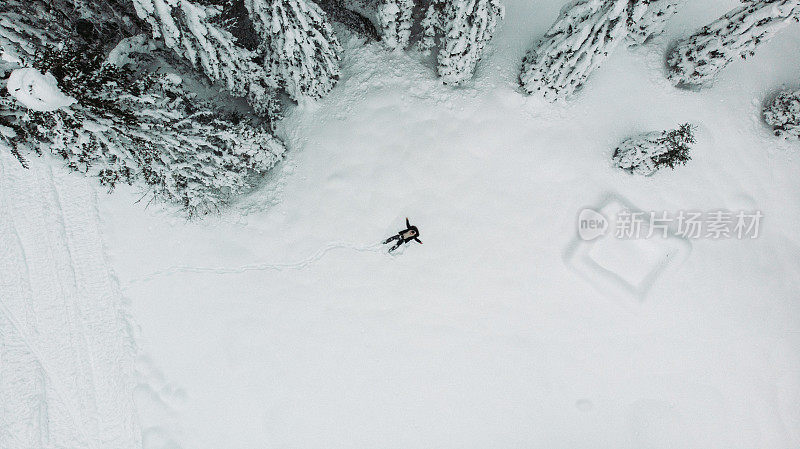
{"points": [[66, 351], [263, 266]]}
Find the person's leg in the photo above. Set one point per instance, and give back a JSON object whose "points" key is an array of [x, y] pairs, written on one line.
{"points": [[392, 238], [397, 245]]}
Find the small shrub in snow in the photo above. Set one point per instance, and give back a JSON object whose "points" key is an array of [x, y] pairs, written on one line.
{"points": [[648, 18], [392, 18], [462, 29], [697, 60], [783, 114], [580, 40], [301, 50], [126, 128], [647, 153], [191, 30]]}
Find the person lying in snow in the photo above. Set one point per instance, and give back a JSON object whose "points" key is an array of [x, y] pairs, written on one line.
{"points": [[404, 236]]}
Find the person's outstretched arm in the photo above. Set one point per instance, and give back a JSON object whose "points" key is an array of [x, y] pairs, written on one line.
{"points": [[408, 225]]}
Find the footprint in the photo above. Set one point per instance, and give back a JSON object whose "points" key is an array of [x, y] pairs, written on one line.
{"points": [[157, 404]]}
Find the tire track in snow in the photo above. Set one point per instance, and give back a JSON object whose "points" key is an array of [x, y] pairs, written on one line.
{"points": [[20, 422], [17, 301], [65, 346], [103, 313]]}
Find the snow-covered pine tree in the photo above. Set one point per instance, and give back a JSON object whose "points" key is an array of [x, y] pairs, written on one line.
{"points": [[71, 132], [580, 40], [28, 25], [198, 156], [392, 18], [697, 60], [647, 153], [648, 18], [190, 29], [462, 29], [301, 50], [127, 127], [783, 114]]}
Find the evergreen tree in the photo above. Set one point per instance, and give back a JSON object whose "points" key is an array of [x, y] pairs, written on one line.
{"points": [[697, 60], [580, 40], [191, 30], [647, 153], [648, 18], [392, 18], [462, 29], [783, 114], [129, 127], [301, 50]]}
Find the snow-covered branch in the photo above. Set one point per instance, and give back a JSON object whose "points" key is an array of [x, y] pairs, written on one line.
{"points": [[579, 41], [187, 28], [123, 127], [462, 29], [648, 18], [392, 18], [698, 59], [301, 50]]}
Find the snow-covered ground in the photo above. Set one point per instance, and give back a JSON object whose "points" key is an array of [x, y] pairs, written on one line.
{"points": [[283, 324], [66, 345]]}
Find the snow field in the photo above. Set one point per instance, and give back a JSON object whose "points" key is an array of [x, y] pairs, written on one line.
{"points": [[483, 336], [281, 324]]}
